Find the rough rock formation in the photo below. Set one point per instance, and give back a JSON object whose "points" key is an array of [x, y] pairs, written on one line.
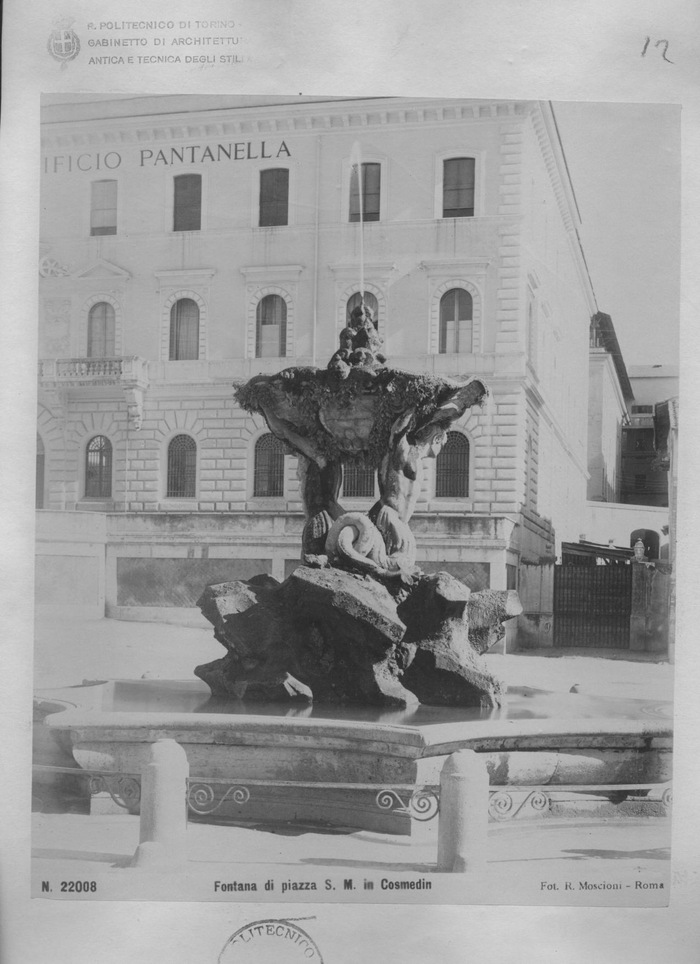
{"points": [[341, 637]]}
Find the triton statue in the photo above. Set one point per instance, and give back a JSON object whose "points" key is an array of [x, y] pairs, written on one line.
{"points": [[358, 621]]}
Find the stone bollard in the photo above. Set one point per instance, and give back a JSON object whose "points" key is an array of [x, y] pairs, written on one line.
{"points": [[463, 821], [163, 826]]}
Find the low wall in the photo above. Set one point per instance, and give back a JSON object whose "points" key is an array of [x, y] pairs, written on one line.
{"points": [[154, 566], [613, 520], [70, 560]]}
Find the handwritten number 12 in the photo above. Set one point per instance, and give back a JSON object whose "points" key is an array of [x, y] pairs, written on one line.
{"points": [[657, 44]]}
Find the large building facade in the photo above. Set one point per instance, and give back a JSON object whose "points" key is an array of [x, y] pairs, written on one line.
{"points": [[188, 243]]}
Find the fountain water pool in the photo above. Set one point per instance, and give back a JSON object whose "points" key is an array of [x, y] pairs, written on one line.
{"points": [[323, 766]]}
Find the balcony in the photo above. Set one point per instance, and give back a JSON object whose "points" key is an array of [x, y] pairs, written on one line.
{"points": [[62, 378], [77, 372]]}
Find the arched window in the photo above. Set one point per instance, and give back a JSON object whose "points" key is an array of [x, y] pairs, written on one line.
{"points": [[452, 468], [182, 468], [271, 327], [268, 476], [100, 342], [98, 468], [358, 481], [187, 202], [355, 300], [184, 330], [274, 197], [458, 187], [40, 462], [456, 314]]}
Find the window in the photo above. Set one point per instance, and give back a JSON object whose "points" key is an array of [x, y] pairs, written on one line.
{"points": [[365, 206], [40, 463], [271, 327], [268, 481], [456, 313], [452, 468], [354, 302], [274, 197], [184, 330], [103, 208], [358, 481], [187, 208], [100, 339], [182, 468], [458, 188], [98, 468]]}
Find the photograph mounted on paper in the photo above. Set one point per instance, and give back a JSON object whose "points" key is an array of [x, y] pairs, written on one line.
{"points": [[356, 484]]}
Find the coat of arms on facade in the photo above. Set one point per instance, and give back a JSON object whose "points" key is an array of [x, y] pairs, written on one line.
{"points": [[63, 43]]}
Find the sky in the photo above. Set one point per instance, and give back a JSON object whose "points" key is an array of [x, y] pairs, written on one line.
{"points": [[624, 161]]}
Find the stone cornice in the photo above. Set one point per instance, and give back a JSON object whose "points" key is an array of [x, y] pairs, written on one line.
{"points": [[231, 123], [545, 128], [179, 275], [272, 272], [444, 266]]}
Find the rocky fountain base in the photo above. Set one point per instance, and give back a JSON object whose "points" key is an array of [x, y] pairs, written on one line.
{"points": [[340, 637]]}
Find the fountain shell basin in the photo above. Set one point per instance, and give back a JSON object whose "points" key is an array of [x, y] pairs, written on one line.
{"points": [[350, 754]]}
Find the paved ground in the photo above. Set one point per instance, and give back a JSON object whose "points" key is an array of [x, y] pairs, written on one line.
{"points": [[623, 852]]}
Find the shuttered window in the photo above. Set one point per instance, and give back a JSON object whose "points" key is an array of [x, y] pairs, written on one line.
{"points": [[184, 330], [187, 206], [103, 207], [268, 481], [458, 188], [452, 468], [371, 186], [456, 313], [271, 327], [182, 468], [98, 468], [274, 197], [100, 342]]}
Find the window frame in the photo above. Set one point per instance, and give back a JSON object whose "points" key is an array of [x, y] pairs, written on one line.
{"points": [[478, 156], [283, 331], [255, 496], [442, 338], [101, 496], [460, 499], [202, 204], [384, 175], [261, 173], [91, 309], [104, 234], [354, 217], [347, 497], [173, 307], [166, 489]]}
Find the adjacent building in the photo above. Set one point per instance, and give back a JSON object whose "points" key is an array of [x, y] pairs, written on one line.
{"points": [[190, 242]]}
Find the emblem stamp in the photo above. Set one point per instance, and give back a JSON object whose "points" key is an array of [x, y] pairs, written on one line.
{"points": [[270, 942], [63, 43]]}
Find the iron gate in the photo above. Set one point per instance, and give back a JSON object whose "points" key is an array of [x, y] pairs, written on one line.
{"points": [[592, 606]]}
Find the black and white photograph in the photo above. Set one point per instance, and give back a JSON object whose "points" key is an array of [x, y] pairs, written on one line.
{"points": [[348, 391], [356, 484]]}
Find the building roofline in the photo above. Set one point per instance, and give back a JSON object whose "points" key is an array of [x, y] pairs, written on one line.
{"points": [[606, 329]]}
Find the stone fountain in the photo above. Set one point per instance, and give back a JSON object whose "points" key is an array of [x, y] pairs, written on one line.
{"points": [[344, 688], [357, 622]]}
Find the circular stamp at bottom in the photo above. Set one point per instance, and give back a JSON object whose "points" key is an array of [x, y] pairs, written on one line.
{"points": [[270, 942]]}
